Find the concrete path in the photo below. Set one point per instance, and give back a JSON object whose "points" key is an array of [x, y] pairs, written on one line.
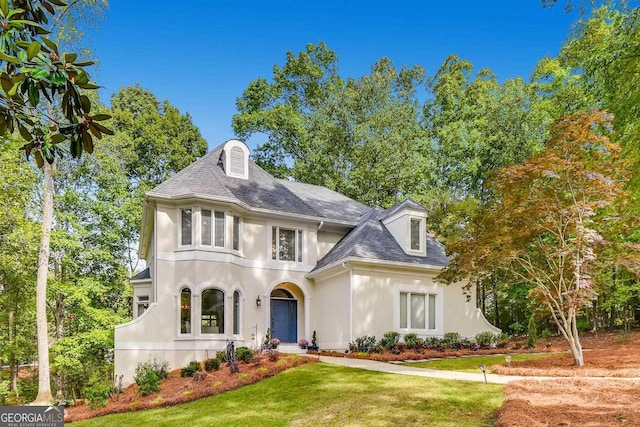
{"points": [[390, 368]]}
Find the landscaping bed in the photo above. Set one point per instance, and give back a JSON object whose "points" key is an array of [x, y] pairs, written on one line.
{"points": [[176, 389], [569, 402]]}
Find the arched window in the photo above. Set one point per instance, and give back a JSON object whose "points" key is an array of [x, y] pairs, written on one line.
{"points": [[185, 311], [212, 318], [281, 293], [236, 313]]}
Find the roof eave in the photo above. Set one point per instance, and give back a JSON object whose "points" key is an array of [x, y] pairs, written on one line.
{"points": [[157, 196], [372, 261]]}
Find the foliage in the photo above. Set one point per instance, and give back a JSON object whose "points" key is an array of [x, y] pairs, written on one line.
{"points": [[487, 339], [410, 340], [32, 71], [544, 228], [452, 340], [267, 337], [532, 333], [365, 344], [149, 375], [244, 354], [389, 340], [97, 394], [211, 365], [303, 342], [189, 370], [314, 340], [274, 342]]}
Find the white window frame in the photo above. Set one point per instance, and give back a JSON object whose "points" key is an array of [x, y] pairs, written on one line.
{"points": [[233, 317], [233, 233], [422, 236], [191, 311], [425, 290], [224, 312], [213, 234], [142, 300], [300, 246], [193, 226]]}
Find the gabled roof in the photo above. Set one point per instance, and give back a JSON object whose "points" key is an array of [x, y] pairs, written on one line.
{"points": [[406, 204], [371, 240], [206, 177]]}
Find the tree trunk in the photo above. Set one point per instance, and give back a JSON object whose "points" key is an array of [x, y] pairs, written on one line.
{"points": [[13, 362], [496, 315], [44, 382]]}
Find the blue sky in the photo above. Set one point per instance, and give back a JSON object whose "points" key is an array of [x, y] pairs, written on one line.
{"points": [[201, 55]]}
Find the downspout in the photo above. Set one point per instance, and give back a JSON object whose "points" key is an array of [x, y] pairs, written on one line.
{"points": [[344, 265]]}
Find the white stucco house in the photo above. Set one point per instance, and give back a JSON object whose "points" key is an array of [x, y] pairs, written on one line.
{"points": [[232, 251]]}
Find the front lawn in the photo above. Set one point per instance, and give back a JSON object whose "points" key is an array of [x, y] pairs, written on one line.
{"points": [[321, 394], [472, 363]]}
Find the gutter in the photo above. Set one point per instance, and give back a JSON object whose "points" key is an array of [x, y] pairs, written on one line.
{"points": [[377, 262]]}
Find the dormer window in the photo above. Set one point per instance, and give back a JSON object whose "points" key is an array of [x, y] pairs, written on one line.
{"points": [[415, 234], [235, 159]]}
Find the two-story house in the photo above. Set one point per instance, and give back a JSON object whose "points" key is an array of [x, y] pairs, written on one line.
{"points": [[232, 251]]}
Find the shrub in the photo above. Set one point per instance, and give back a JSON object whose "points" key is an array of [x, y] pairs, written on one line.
{"points": [[452, 340], [363, 344], [148, 381], [211, 365], [160, 367], [4, 391], [532, 337], [97, 395], [221, 356], [190, 369], [303, 343], [517, 328], [314, 340], [389, 340], [244, 354], [419, 344], [546, 333], [431, 342], [410, 340], [273, 355], [487, 339], [398, 348]]}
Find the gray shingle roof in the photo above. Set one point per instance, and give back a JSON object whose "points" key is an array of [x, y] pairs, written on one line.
{"points": [[144, 274], [371, 240], [406, 204], [206, 177]]}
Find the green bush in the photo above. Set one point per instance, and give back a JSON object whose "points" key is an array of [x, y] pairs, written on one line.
{"points": [[97, 395], [211, 365], [452, 340], [148, 381], [410, 340], [487, 339], [363, 344], [190, 369], [160, 367], [532, 338], [244, 354], [389, 340], [4, 391]]}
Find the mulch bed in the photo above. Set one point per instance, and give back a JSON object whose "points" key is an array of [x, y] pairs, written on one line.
{"points": [[570, 402], [175, 389]]}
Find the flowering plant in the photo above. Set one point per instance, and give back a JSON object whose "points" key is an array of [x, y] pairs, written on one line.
{"points": [[303, 342], [274, 341]]}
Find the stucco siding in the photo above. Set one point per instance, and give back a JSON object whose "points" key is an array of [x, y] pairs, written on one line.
{"points": [[331, 309]]}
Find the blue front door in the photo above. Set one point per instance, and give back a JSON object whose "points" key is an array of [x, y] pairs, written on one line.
{"points": [[284, 320]]}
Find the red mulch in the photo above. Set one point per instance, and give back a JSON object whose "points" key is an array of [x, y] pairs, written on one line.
{"points": [[571, 402], [175, 389]]}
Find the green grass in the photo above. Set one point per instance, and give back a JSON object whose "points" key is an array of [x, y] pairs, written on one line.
{"points": [[321, 394], [472, 363]]}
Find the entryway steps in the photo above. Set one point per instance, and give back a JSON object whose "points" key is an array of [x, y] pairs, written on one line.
{"points": [[291, 349]]}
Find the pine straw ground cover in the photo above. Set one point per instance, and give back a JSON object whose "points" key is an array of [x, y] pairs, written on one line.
{"points": [[571, 402], [175, 389]]}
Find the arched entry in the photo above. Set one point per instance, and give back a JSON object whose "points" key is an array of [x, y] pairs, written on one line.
{"points": [[284, 316]]}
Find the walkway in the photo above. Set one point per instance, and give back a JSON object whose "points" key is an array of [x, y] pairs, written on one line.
{"points": [[390, 368]]}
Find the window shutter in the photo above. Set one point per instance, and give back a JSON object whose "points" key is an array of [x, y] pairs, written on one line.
{"points": [[236, 161]]}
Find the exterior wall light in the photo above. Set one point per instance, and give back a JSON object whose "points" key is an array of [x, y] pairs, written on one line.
{"points": [[258, 301]]}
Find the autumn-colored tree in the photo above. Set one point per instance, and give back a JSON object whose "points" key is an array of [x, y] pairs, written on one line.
{"points": [[545, 224]]}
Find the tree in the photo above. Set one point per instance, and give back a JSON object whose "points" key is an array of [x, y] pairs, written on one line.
{"points": [[42, 99], [345, 135], [544, 226]]}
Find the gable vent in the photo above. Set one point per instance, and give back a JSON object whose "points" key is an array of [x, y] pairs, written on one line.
{"points": [[236, 166]]}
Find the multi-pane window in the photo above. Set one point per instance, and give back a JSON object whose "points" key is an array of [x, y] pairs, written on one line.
{"points": [[185, 226], [185, 311], [212, 232], [212, 315], [417, 311], [236, 233], [415, 234], [286, 244]]}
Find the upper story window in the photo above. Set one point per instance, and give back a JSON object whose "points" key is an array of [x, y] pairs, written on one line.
{"points": [[286, 244], [185, 226], [142, 305], [236, 233], [211, 233], [415, 234]]}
